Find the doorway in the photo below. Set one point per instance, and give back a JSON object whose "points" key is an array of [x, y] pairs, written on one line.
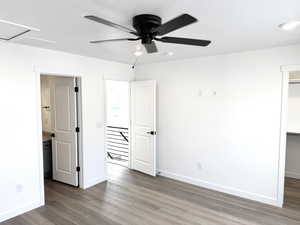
{"points": [[60, 110], [292, 159], [117, 129], [131, 125]]}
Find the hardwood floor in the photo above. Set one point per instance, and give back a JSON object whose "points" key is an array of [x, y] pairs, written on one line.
{"points": [[132, 198]]}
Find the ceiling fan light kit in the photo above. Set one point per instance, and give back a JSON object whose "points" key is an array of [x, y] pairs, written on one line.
{"points": [[138, 53], [149, 28]]}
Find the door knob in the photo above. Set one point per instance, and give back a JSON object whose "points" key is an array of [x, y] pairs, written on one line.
{"points": [[152, 132]]}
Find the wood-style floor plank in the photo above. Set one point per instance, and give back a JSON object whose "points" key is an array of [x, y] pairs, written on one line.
{"points": [[132, 198]]}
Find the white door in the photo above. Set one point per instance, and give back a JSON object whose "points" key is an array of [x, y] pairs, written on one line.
{"points": [[143, 126], [63, 120]]}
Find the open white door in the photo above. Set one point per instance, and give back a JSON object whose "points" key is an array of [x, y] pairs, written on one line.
{"points": [[143, 125], [63, 120]]}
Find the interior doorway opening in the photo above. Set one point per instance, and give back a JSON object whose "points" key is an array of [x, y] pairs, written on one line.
{"points": [[131, 125], [61, 122], [292, 164], [117, 131]]}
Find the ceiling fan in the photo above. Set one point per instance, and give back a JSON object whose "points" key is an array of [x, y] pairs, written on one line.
{"points": [[149, 27]]}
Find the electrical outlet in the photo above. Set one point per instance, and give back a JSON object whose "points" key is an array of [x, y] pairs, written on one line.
{"points": [[200, 92], [19, 188], [199, 166]]}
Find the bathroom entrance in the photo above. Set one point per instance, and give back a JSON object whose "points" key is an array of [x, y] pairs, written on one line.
{"points": [[61, 128]]}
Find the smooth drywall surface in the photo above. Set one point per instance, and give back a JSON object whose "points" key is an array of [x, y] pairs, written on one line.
{"points": [[219, 120], [21, 187]]}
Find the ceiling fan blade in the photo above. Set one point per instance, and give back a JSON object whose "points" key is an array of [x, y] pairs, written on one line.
{"points": [[184, 41], [174, 24], [111, 24], [115, 40], [151, 48]]}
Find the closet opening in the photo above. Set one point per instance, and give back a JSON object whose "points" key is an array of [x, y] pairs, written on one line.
{"points": [[292, 163]]}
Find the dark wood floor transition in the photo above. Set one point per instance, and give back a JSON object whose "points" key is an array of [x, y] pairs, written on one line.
{"points": [[132, 198]]}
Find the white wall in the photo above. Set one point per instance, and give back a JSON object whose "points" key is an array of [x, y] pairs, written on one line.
{"points": [[21, 186], [219, 120]]}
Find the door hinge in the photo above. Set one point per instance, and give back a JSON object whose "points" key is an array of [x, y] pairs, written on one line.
{"points": [[77, 129], [76, 89], [152, 132], [78, 168]]}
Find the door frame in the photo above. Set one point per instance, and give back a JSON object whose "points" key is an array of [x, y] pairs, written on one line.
{"points": [[38, 74], [129, 119], [285, 70]]}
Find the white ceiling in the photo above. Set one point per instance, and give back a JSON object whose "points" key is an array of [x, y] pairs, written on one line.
{"points": [[232, 25]]}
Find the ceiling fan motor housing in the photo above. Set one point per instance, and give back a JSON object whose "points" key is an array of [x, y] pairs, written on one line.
{"points": [[145, 25]]}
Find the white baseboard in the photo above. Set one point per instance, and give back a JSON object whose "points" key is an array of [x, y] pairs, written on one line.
{"points": [[292, 174], [23, 209], [224, 189], [94, 181]]}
